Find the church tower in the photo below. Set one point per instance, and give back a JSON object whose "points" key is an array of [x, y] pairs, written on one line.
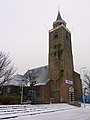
{"points": [[60, 62]]}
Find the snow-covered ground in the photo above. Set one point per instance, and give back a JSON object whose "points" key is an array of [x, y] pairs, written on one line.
{"points": [[44, 112]]}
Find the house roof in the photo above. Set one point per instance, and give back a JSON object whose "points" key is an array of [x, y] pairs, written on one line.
{"points": [[17, 80]]}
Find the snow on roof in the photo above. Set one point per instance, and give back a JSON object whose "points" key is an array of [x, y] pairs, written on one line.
{"points": [[43, 78], [1, 79], [42, 75]]}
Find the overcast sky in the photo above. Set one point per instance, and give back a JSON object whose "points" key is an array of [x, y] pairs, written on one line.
{"points": [[24, 26]]}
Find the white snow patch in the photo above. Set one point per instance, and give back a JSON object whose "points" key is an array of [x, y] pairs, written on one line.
{"points": [[44, 112]]}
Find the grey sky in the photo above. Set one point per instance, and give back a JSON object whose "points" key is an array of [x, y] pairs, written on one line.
{"points": [[23, 31]]}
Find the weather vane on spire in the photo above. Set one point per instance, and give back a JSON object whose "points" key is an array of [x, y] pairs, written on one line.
{"points": [[59, 16], [59, 8]]}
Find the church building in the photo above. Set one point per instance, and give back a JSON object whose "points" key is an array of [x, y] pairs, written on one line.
{"points": [[62, 83], [57, 82]]}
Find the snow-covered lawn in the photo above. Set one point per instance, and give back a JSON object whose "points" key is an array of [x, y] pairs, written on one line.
{"points": [[44, 112]]}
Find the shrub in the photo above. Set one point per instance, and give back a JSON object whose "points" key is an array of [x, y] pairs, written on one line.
{"points": [[9, 100]]}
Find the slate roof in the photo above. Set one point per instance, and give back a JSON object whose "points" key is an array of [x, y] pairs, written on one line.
{"points": [[43, 78], [41, 75]]}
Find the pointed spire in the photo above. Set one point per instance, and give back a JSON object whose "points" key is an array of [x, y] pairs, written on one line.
{"points": [[59, 20], [59, 16]]}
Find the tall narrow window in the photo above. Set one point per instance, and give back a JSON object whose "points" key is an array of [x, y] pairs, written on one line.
{"points": [[66, 35], [55, 36], [55, 54]]}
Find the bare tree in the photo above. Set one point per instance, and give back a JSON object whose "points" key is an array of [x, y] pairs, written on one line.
{"points": [[87, 81], [31, 75], [6, 68]]}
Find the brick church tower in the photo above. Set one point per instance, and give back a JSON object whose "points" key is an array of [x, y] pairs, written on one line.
{"points": [[60, 62]]}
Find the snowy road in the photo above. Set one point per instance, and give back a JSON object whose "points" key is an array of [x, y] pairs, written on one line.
{"points": [[44, 112]]}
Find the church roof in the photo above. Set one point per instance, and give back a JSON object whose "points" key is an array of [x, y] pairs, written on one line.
{"points": [[59, 16], [43, 77], [39, 75]]}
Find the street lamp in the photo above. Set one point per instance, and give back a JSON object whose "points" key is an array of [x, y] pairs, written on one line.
{"points": [[22, 91], [84, 89]]}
